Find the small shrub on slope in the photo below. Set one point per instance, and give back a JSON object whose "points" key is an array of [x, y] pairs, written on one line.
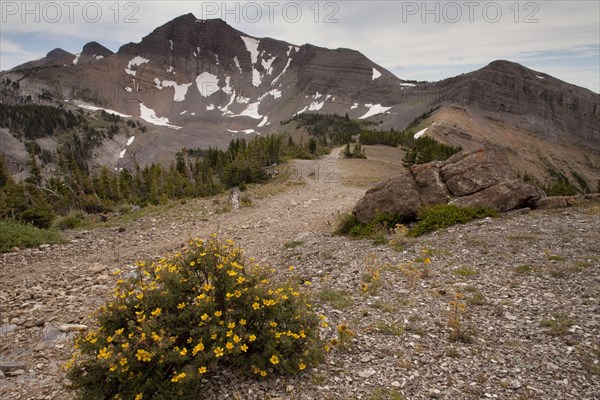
{"points": [[431, 219], [182, 319]]}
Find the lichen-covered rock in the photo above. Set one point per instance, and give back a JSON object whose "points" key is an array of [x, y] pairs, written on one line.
{"points": [[430, 184], [398, 196], [503, 197], [466, 172]]}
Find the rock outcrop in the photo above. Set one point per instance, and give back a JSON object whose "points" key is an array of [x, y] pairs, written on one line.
{"points": [[479, 178], [399, 195]]}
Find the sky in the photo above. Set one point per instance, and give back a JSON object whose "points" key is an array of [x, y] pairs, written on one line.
{"points": [[415, 40]]}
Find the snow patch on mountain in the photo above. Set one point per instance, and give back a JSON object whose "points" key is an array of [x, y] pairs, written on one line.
{"points": [[149, 115], [289, 61], [207, 84], [301, 111], [122, 154], [180, 90], [252, 47], [171, 44], [244, 131], [422, 132], [227, 88], [376, 74], [94, 108], [256, 78], [237, 63], [263, 122], [354, 106], [130, 141], [251, 111], [210, 107], [76, 60], [374, 109], [98, 57], [267, 65], [316, 106], [135, 62]]}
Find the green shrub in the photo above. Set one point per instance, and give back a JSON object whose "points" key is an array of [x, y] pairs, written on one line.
{"points": [[346, 223], [69, 221], [433, 218], [183, 319], [14, 234], [39, 215]]}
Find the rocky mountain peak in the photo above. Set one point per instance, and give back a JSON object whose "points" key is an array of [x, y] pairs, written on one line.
{"points": [[96, 49], [57, 53]]}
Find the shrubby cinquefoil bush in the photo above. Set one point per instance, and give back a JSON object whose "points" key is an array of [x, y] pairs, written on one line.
{"points": [[184, 318]]}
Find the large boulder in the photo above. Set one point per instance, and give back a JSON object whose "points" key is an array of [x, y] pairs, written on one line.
{"points": [[504, 196], [398, 196], [468, 172], [429, 183]]}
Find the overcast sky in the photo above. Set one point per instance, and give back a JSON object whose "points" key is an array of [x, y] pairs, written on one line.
{"points": [[413, 39]]}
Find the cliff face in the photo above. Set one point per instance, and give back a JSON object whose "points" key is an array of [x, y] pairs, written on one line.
{"points": [[555, 107]]}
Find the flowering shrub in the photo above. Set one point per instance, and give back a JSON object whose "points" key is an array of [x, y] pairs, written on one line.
{"points": [[182, 319]]}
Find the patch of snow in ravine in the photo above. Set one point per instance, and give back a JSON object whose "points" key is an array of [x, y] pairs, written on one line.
{"points": [[171, 44], [301, 111], [183, 112], [210, 107], [128, 89], [170, 69], [263, 122], [149, 115], [131, 139], [242, 100], [540, 77], [135, 62], [251, 111], [376, 74], [98, 57], [252, 47], [180, 90], [355, 105], [317, 95], [374, 109], [315, 106], [207, 83], [422, 132], [289, 61], [244, 131], [408, 85], [76, 60], [237, 63], [227, 88], [94, 108], [122, 154], [267, 65], [256, 78]]}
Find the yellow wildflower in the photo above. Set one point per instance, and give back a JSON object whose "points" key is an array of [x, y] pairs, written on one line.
{"points": [[274, 360], [219, 352]]}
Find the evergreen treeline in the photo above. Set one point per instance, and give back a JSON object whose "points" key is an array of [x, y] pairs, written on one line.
{"points": [[194, 173], [340, 130], [36, 121]]}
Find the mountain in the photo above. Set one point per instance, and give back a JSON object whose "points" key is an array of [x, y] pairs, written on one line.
{"points": [[198, 83]]}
